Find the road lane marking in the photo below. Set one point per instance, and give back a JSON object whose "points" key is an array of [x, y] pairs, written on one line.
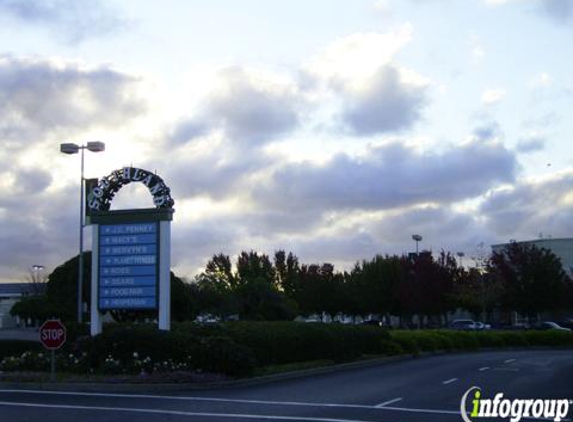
{"points": [[484, 368], [177, 412], [216, 399], [446, 382], [509, 360], [386, 403], [506, 369]]}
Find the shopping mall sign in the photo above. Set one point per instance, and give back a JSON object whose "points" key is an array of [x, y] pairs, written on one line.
{"points": [[131, 249]]}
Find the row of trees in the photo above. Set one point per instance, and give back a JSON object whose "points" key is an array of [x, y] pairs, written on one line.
{"points": [[523, 278]]}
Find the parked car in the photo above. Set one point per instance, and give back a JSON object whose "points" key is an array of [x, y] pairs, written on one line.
{"points": [[550, 325], [463, 324], [567, 323], [482, 326], [373, 322]]}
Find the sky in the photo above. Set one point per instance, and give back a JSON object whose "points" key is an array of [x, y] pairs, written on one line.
{"points": [[335, 129]]}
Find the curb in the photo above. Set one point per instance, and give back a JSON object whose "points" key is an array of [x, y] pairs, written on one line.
{"points": [[245, 382], [264, 379]]}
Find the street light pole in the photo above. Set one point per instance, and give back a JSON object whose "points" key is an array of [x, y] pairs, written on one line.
{"points": [[81, 257], [70, 148], [461, 256], [417, 238]]}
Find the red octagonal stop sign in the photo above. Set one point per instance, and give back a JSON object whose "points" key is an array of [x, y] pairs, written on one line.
{"points": [[52, 334]]}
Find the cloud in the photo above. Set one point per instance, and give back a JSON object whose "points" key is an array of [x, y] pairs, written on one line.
{"points": [[560, 11], [387, 104], [531, 207], [72, 20], [487, 131], [390, 176], [42, 96], [373, 93], [492, 96], [531, 144], [252, 108]]}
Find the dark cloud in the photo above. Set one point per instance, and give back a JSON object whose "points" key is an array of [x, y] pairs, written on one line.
{"points": [[72, 20], [217, 173], [388, 104], [487, 131], [250, 110], [531, 207], [38, 97], [187, 130], [560, 11], [390, 176], [531, 144]]}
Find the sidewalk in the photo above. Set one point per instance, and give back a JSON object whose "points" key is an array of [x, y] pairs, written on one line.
{"points": [[19, 334]]}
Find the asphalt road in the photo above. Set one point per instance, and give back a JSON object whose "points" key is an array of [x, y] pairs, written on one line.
{"points": [[427, 389]]}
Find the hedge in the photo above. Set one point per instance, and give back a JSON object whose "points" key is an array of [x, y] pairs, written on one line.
{"points": [[416, 341], [237, 348]]}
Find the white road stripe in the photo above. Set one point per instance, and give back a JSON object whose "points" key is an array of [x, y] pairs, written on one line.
{"points": [[386, 403], [216, 399], [509, 360], [484, 368], [176, 412], [446, 382]]}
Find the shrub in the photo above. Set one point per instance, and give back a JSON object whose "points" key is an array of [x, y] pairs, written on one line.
{"points": [[549, 338], [406, 340], [288, 342], [17, 347], [223, 355], [391, 348]]}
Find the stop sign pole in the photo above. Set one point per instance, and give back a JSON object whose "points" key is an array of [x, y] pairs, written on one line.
{"points": [[52, 337]]}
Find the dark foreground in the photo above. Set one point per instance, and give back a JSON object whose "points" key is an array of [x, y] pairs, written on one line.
{"points": [[418, 390]]}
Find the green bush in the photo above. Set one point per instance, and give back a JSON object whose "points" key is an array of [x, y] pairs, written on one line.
{"points": [[549, 338], [407, 340], [17, 347], [391, 348], [223, 355], [287, 342]]}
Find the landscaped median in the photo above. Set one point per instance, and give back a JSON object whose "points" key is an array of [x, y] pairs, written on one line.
{"points": [[204, 353]]}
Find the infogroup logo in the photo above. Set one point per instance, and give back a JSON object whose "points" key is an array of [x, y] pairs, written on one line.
{"points": [[514, 409]]}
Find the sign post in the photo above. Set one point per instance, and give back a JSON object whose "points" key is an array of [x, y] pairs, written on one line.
{"points": [[52, 337], [131, 253]]}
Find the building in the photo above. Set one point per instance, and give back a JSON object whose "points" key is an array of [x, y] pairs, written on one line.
{"points": [[562, 248], [10, 293]]}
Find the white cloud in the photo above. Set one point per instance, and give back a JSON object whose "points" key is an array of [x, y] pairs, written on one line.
{"points": [[493, 96], [372, 92], [390, 176], [248, 106], [72, 20], [532, 206], [354, 59], [39, 97]]}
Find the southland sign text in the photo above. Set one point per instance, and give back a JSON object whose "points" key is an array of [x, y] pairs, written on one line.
{"points": [[101, 196]]}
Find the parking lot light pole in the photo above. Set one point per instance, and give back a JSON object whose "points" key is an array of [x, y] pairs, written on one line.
{"points": [[71, 148], [417, 238]]}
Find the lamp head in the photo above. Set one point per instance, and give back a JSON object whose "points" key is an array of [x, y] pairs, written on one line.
{"points": [[69, 148], [96, 146]]}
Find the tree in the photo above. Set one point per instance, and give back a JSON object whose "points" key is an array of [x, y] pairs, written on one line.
{"points": [[34, 308], [253, 290], [62, 287], [533, 278]]}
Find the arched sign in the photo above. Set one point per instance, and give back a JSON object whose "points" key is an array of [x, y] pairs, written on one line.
{"points": [[99, 199], [131, 249]]}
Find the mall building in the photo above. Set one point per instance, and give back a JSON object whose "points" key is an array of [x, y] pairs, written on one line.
{"points": [[562, 248]]}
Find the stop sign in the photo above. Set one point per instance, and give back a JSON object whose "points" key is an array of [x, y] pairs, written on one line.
{"points": [[52, 334]]}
